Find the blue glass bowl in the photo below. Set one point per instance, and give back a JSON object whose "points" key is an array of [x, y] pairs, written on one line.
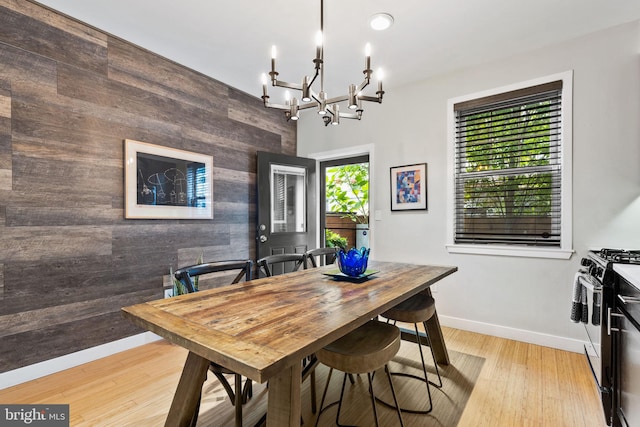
{"points": [[354, 262]]}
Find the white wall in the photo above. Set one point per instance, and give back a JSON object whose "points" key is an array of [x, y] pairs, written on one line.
{"points": [[522, 298]]}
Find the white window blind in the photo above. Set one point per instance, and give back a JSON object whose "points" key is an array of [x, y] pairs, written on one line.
{"points": [[508, 168]]}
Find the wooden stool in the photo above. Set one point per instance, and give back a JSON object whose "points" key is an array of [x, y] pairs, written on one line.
{"points": [[417, 309], [363, 350]]}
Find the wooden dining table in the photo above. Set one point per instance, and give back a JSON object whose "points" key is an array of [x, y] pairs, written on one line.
{"points": [[263, 328]]}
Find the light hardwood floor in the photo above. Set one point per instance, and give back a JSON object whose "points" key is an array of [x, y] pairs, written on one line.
{"points": [[519, 385]]}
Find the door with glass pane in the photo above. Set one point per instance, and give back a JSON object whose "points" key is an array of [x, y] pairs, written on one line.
{"points": [[286, 204]]}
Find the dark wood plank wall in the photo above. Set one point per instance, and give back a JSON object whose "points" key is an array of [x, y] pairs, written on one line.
{"points": [[69, 260]]}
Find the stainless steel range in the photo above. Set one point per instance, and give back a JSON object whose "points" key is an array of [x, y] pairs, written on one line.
{"points": [[626, 344], [596, 306]]}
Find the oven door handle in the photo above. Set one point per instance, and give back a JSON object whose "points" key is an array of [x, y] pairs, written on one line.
{"points": [[610, 315], [627, 300], [583, 278]]}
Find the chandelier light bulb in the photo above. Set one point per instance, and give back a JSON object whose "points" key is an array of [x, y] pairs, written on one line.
{"points": [[306, 96], [353, 97], [322, 105], [264, 86], [318, 45], [367, 58], [380, 76], [273, 62], [294, 115], [335, 110]]}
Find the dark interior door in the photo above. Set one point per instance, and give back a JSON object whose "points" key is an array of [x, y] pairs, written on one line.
{"points": [[286, 204]]}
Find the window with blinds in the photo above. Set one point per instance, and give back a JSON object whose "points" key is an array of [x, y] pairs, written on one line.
{"points": [[196, 185], [288, 199], [508, 168]]}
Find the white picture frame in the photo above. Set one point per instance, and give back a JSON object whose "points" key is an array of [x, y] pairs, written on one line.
{"points": [[166, 183]]}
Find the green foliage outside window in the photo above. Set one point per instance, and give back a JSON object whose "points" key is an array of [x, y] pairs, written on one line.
{"points": [[503, 162], [347, 190], [334, 240]]}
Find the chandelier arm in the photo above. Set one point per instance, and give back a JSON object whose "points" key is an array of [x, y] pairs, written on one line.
{"points": [[307, 105], [362, 85], [314, 78], [277, 106], [280, 83], [314, 96], [356, 116], [337, 99], [377, 99]]}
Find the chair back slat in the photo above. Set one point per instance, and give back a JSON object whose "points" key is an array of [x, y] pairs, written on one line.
{"points": [[186, 274], [265, 265], [325, 255]]}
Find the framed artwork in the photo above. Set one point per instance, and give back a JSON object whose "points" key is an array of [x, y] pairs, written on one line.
{"points": [[163, 182], [409, 187]]}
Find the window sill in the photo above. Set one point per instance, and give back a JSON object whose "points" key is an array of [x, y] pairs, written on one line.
{"points": [[511, 251]]}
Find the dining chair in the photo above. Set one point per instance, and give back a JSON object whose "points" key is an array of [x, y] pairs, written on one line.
{"points": [[363, 350], [282, 263], [325, 256], [242, 269], [417, 309]]}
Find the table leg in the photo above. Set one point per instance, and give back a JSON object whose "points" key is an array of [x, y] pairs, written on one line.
{"points": [[187, 396], [435, 334], [437, 340], [283, 408]]}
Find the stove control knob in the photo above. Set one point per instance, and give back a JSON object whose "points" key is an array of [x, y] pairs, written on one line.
{"points": [[586, 262], [599, 272]]}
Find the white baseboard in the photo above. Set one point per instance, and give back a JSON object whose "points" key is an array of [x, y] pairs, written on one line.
{"points": [[553, 341], [37, 370]]}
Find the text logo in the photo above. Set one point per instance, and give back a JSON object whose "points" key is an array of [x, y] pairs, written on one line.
{"points": [[34, 415]]}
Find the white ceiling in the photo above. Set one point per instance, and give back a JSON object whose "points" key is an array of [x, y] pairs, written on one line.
{"points": [[231, 40]]}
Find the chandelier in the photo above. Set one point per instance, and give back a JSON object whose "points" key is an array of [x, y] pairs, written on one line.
{"points": [[327, 108]]}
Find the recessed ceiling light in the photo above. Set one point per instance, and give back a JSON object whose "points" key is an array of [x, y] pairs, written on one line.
{"points": [[381, 21]]}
